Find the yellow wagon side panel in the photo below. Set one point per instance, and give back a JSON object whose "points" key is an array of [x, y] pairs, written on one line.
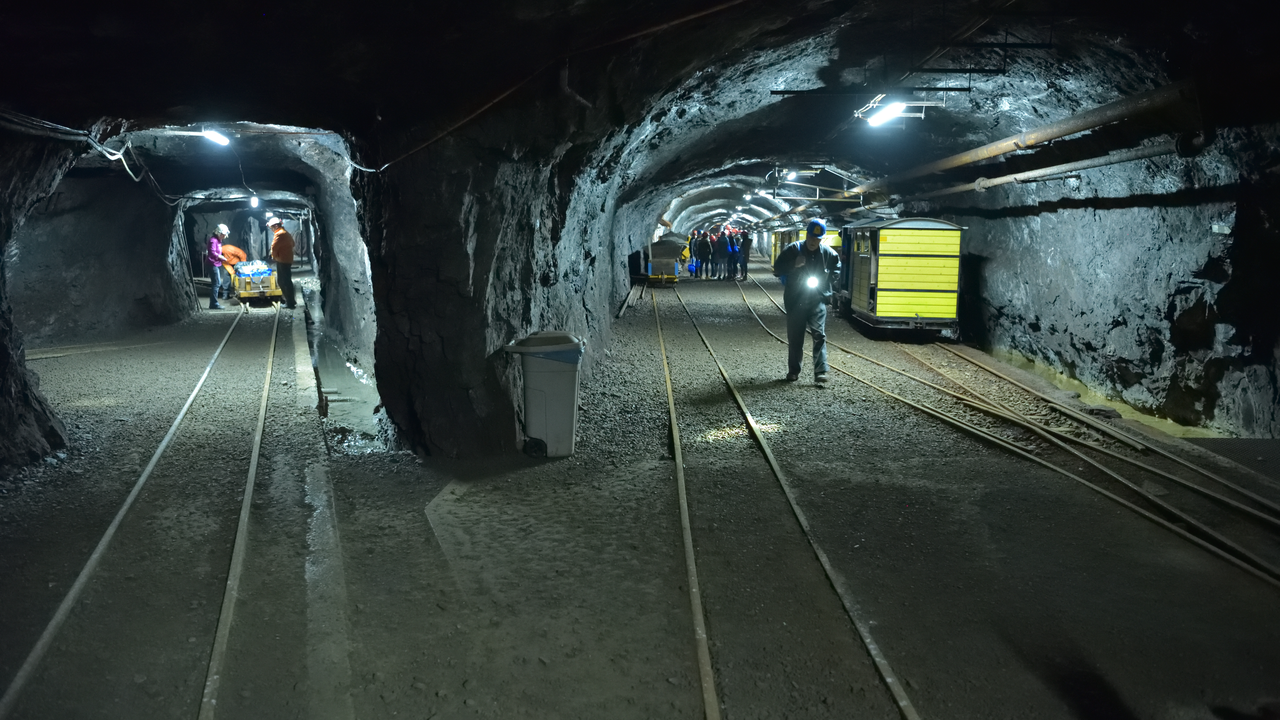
{"points": [[911, 304], [919, 242], [919, 273]]}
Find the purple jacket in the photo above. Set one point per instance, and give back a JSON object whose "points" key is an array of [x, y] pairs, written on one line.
{"points": [[215, 249]]}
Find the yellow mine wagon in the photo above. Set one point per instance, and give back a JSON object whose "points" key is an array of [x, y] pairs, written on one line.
{"points": [[781, 240], [902, 273], [254, 281]]}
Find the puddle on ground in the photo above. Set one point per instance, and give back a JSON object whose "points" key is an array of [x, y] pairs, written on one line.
{"points": [[1092, 398]]}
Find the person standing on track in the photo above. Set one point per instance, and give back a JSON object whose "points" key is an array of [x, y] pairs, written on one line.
{"points": [[808, 267], [745, 249], [217, 275], [282, 253], [731, 250], [702, 249]]}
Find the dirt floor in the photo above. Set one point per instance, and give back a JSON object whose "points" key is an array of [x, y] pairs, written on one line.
{"points": [[379, 584]]}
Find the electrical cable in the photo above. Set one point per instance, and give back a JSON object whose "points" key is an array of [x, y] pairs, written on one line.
{"points": [[43, 128], [243, 182]]}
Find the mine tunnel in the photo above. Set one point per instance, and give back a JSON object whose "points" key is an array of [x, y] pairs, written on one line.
{"points": [[457, 179]]}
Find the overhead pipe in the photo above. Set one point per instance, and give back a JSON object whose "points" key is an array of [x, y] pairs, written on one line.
{"points": [[1158, 99], [982, 184]]}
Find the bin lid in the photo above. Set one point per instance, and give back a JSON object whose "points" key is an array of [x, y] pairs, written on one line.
{"points": [[546, 342]]}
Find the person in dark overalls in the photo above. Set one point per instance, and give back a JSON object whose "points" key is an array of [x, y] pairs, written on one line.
{"points": [[808, 268], [744, 251], [703, 248]]}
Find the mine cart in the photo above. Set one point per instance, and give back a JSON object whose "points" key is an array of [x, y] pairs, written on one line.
{"points": [[779, 242], [902, 273], [782, 239], [254, 281], [665, 256]]}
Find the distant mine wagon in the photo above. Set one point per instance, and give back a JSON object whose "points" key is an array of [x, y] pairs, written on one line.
{"points": [[781, 240], [902, 273]]}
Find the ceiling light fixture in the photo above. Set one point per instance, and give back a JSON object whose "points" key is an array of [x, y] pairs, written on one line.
{"points": [[216, 136], [791, 175], [253, 202], [887, 113]]}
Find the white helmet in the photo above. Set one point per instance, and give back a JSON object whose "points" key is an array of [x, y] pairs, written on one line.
{"points": [[223, 230]]}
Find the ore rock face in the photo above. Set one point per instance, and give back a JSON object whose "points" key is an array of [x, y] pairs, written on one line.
{"points": [[29, 429], [1145, 280], [95, 257]]}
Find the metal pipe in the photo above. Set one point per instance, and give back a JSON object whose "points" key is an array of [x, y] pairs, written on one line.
{"points": [[1157, 99], [981, 184]]}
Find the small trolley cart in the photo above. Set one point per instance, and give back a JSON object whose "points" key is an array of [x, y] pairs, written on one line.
{"points": [[665, 256], [255, 281], [902, 273]]}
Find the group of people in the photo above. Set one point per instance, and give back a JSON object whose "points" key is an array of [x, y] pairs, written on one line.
{"points": [[719, 253], [222, 257]]}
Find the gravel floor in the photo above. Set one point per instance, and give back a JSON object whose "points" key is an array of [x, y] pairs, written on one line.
{"points": [[513, 587]]}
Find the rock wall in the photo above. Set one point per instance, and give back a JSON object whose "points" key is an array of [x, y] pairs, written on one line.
{"points": [[1150, 281], [98, 255], [29, 169], [524, 221]]}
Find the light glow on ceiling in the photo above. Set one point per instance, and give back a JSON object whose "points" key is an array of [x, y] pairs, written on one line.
{"points": [[887, 113], [216, 136]]}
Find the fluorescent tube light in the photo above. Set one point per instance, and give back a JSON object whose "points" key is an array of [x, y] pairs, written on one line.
{"points": [[887, 113]]}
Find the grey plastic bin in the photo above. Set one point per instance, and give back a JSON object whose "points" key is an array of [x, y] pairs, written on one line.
{"points": [[550, 361]]}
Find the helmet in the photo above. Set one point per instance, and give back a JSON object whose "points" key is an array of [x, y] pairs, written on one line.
{"points": [[223, 229], [274, 221], [816, 227]]}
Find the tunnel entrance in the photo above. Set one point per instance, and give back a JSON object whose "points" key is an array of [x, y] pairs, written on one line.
{"points": [[119, 246]]}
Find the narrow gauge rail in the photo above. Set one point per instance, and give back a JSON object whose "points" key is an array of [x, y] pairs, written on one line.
{"points": [[1017, 420], [861, 624], [10, 701]]}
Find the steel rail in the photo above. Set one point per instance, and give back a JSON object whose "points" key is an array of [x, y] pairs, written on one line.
{"points": [[1145, 445], [941, 414], [27, 670], [984, 405], [1257, 514], [1102, 427], [1051, 437], [213, 675], [964, 425], [860, 624], [710, 702]]}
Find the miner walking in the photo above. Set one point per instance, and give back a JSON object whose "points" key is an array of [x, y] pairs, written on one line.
{"points": [[807, 268]]}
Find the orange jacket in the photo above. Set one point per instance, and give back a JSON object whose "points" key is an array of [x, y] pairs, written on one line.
{"points": [[233, 255], [282, 246]]}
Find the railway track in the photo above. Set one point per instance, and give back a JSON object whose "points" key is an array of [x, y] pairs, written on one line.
{"points": [[753, 472], [86, 610], [1221, 516]]}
